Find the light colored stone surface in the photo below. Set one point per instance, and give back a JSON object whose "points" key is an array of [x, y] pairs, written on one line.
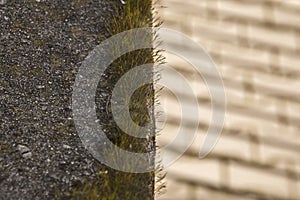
{"points": [[255, 46]]}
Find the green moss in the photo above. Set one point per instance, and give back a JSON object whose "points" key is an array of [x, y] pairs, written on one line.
{"points": [[11, 70], [38, 43], [5, 148], [110, 185], [80, 3], [56, 61], [62, 131], [18, 72]]}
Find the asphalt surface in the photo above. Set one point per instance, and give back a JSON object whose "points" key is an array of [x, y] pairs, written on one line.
{"points": [[42, 45]]}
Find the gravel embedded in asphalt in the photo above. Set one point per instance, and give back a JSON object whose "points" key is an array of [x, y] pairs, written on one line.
{"points": [[42, 45]]}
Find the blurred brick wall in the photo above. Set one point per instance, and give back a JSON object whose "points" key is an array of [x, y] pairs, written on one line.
{"points": [[256, 47]]}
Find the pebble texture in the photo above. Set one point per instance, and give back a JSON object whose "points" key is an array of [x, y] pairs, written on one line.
{"points": [[42, 44]]}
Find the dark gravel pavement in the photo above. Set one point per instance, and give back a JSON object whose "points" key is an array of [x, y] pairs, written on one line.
{"points": [[42, 44]]}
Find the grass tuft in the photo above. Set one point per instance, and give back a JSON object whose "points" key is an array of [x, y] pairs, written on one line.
{"points": [[111, 184]]}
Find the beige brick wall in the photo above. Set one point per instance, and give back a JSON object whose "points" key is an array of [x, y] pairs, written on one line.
{"points": [[256, 47]]}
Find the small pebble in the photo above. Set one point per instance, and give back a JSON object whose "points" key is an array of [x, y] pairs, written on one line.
{"points": [[66, 146], [27, 155], [25, 151], [2, 2]]}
